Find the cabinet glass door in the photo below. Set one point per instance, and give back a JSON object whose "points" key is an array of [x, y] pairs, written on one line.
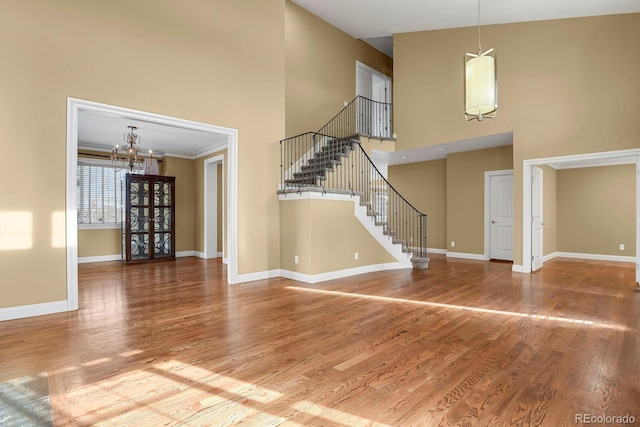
{"points": [[140, 208]]}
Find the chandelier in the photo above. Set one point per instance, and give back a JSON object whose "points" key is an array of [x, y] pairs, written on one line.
{"points": [[128, 154], [480, 84]]}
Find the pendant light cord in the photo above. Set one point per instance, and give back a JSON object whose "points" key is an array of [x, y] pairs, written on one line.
{"points": [[479, 45]]}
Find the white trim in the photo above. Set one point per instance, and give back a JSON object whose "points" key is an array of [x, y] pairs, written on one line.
{"points": [[549, 257], [199, 254], [260, 275], [183, 254], [232, 208], [339, 274], [217, 160], [219, 255], [477, 257], [633, 155], [225, 260], [97, 226], [487, 207], [210, 150], [31, 310], [99, 258], [74, 105], [516, 268], [594, 257], [436, 251], [360, 212], [593, 163], [118, 257]]}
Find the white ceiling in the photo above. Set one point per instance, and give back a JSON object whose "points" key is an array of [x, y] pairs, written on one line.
{"points": [[440, 151], [379, 19], [102, 132]]}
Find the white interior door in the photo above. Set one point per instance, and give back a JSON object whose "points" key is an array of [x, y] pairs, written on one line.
{"points": [[536, 219], [501, 216]]}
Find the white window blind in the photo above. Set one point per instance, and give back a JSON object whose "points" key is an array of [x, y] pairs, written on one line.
{"points": [[99, 194]]}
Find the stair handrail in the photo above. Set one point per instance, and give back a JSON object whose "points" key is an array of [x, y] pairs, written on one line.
{"points": [[351, 118], [386, 181], [311, 158]]}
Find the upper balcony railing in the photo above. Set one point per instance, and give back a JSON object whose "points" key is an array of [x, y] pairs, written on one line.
{"points": [[363, 117]]}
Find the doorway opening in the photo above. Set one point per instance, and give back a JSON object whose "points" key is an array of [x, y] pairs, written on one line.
{"points": [[631, 156], [229, 137], [214, 219], [373, 85]]}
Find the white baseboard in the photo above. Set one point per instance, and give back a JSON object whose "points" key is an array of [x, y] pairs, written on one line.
{"points": [[477, 257], [322, 277], [220, 254], [260, 275], [516, 268], [225, 260], [118, 257], [31, 310], [102, 258], [339, 274], [594, 257], [436, 251]]}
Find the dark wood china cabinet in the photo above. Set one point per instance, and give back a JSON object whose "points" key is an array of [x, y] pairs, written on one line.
{"points": [[148, 226]]}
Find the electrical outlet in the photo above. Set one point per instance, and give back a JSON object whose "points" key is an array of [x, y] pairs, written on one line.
{"points": [[453, 244], [622, 246], [295, 259], [355, 256]]}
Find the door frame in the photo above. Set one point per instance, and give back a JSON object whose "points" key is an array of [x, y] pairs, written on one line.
{"points": [[487, 208], [619, 157], [209, 194], [541, 200], [74, 105]]}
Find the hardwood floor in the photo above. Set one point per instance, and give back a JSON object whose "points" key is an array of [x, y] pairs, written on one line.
{"points": [[462, 343]]}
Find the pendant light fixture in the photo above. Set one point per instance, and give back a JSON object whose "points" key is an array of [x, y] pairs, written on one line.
{"points": [[128, 154], [480, 82]]}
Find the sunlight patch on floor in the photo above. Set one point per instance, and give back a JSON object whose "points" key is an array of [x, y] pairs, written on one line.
{"points": [[459, 307], [334, 415]]}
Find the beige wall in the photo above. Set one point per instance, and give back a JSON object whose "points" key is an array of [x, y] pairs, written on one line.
{"points": [[424, 185], [183, 171], [565, 87], [549, 211], [325, 234], [99, 242], [596, 210], [194, 59], [321, 69], [465, 195]]}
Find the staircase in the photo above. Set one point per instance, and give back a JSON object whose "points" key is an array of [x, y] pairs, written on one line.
{"points": [[333, 160]]}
